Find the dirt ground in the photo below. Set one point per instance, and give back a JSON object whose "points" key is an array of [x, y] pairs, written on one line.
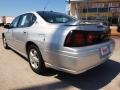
{"points": [[16, 74]]}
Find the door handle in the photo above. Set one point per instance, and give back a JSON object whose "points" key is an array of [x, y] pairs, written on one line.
{"points": [[24, 32]]}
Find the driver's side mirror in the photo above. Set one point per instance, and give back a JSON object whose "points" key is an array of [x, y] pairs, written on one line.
{"points": [[7, 26]]}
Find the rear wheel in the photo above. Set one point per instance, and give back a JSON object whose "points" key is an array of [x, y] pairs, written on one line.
{"points": [[5, 45], [35, 59]]}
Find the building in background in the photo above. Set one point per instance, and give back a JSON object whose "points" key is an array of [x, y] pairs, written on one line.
{"points": [[95, 9]]}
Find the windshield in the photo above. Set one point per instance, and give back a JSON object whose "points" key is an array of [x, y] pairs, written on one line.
{"points": [[55, 17]]}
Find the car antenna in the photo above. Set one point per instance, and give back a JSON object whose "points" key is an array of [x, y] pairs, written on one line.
{"points": [[45, 7]]}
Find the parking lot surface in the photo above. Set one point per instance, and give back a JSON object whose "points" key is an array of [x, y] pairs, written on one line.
{"points": [[15, 73]]}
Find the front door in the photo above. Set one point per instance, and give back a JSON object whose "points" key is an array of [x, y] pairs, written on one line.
{"points": [[9, 36], [21, 33]]}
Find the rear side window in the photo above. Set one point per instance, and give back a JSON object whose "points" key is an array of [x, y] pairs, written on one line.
{"points": [[55, 17], [27, 20]]}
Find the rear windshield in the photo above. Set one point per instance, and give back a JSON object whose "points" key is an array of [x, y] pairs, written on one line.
{"points": [[55, 17]]}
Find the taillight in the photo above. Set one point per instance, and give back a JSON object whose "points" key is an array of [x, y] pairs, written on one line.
{"points": [[68, 39], [77, 38], [90, 37], [74, 39]]}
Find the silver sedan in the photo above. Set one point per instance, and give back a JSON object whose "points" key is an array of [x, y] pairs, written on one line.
{"points": [[56, 40]]}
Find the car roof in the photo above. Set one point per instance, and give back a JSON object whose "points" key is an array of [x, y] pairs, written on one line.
{"points": [[49, 12]]}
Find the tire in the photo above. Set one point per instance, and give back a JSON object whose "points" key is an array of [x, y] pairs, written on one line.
{"points": [[35, 59], [118, 30], [5, 45]]}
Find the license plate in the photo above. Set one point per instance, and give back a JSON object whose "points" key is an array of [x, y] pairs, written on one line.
{"points": [[104, 51]]}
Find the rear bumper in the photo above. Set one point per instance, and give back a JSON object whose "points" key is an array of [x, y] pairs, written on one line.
{"points": [[78, 60]]}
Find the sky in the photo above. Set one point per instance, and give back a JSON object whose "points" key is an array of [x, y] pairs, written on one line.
{"points": [[17, 7]]}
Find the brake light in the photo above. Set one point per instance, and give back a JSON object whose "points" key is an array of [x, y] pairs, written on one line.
{"points": [[74, 39], [78, 38], [68, 39], [90, 37]]}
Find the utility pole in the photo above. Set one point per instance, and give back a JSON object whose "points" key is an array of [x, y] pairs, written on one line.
{"points": [[86, 2], [69, 7]]}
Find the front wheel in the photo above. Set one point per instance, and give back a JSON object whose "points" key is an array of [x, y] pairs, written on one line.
{"points": [[35, 59], [5, 45]]}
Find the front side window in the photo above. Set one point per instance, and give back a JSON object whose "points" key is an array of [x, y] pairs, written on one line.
{"points": [[54, 17], [15, 22]]}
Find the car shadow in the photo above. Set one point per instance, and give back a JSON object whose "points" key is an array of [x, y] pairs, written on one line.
{"points": [[93, 79]]}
